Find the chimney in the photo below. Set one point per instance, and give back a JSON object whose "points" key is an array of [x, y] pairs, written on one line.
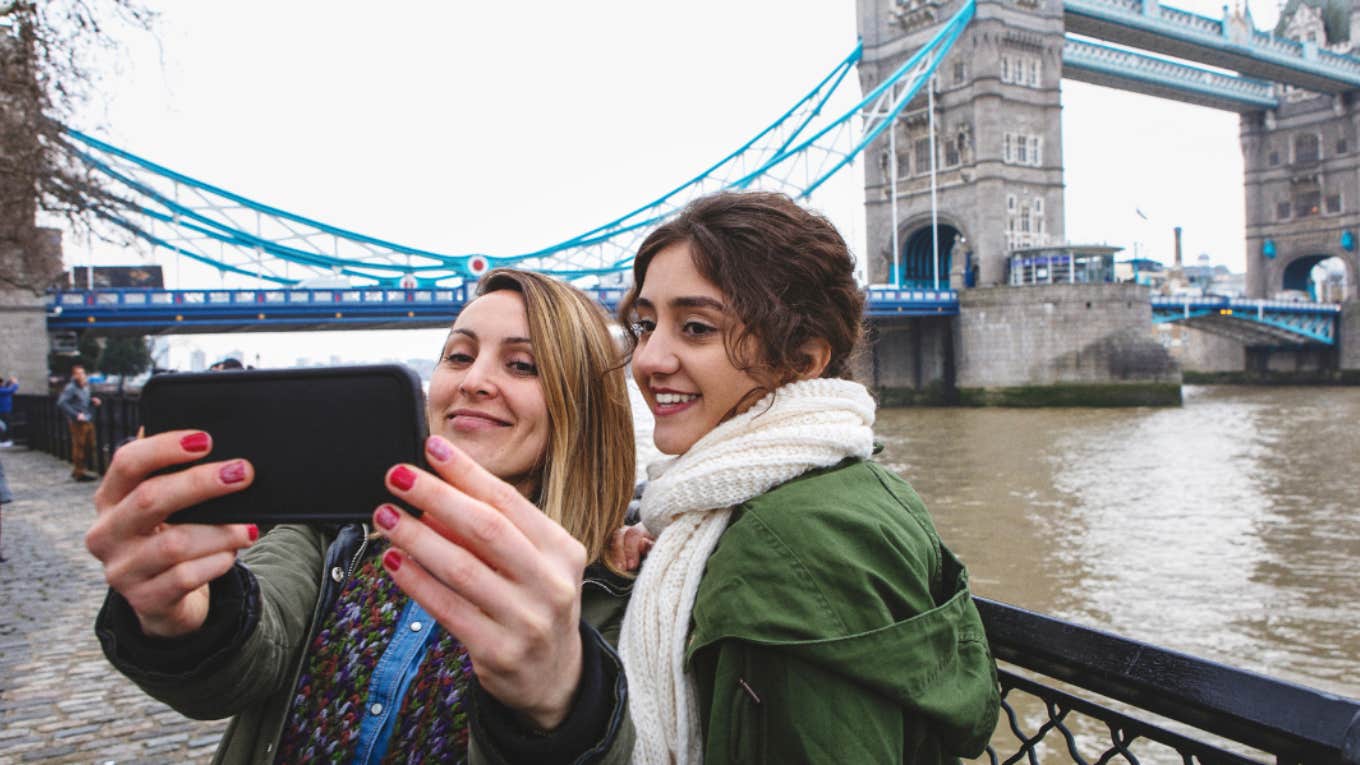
{"points": [[1178, 247]]}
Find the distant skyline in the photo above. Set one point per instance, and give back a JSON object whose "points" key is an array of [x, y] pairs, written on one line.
{"points": [[502, 127]]}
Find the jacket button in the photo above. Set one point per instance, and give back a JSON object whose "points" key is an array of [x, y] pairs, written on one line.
{"points": [[338, 574]]}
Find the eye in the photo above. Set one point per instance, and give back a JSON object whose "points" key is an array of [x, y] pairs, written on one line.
{"points": [[697, 329], [523, 368], [643, 326], [458, 358]]}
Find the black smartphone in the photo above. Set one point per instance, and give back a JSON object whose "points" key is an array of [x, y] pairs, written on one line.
{"points": [[321, 440]]}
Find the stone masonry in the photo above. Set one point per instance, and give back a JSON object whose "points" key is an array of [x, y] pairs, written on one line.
{"points": [[60, 701], [1060, 335], [998, 133]]}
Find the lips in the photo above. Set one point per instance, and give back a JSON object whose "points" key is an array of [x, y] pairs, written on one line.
{"points": [[669, 402], [471, 420]]}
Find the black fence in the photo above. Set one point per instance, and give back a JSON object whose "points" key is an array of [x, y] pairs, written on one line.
{"points": [[1107, 687], [38, 424], [1069, 693]]}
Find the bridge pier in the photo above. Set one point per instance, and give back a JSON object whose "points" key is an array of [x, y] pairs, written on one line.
{"points": [[1062, 345], [910, 361], [1055, 345]]}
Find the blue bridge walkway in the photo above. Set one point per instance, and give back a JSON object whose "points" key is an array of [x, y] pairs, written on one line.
{"points": [[1253, 322], [281, 309]]}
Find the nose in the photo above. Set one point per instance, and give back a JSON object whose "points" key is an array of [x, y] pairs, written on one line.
{"points": [[654, 356], [480, 378]]}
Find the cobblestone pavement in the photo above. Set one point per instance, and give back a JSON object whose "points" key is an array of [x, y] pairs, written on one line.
{"points": [[60, 701]]}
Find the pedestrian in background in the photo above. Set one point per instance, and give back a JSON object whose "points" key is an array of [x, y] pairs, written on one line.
{"points": [[78, 405], [6, 406]]}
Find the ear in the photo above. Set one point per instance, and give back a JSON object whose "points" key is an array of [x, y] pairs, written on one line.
{"points": [[814, 354]]}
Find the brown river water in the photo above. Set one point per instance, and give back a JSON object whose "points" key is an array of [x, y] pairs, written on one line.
{"points": [[1228, 528]]}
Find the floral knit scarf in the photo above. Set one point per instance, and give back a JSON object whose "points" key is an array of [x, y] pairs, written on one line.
{"points": [[328, 702], [797, 428]]}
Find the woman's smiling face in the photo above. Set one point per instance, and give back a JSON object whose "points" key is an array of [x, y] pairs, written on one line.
{"points": [[485, 395], [681, 362]]}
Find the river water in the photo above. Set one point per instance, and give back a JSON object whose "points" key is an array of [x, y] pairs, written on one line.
{"points": [[1228, 528]]}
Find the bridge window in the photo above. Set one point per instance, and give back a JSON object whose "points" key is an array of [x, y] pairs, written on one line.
{"points": [[1307, 203], [951, 152], [1333, 203], [1282, 210], [1021, 149], [1274, 157], [1306, 147], [960, 72], [1021, 69], [922, 156], [1341, 145]]}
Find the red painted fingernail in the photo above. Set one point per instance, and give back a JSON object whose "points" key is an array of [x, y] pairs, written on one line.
{"points": [[386, 517], [392, 559], [253, 532], [438, 448], [233, 472], [195, 442], [403, 477]]}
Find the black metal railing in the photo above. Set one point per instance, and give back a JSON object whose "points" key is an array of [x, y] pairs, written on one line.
{"points": [[1222, 714], [39, 425]]}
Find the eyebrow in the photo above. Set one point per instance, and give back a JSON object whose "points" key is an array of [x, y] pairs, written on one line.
{"points": [[505, 341], [696, 301]]}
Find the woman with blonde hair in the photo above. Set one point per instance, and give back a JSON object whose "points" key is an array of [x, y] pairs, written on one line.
{"points": [[464, 634]]}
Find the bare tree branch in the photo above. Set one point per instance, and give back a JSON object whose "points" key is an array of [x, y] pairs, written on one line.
{"points": [[48, 55]]}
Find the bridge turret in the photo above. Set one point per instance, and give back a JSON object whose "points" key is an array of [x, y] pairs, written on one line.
{"points": [[998, 141]]}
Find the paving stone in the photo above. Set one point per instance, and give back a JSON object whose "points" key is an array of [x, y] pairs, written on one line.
{"points": [[60, 701]]}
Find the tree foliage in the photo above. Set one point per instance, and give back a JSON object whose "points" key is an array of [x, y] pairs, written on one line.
{"points": [[47, 53], [125, 357]]}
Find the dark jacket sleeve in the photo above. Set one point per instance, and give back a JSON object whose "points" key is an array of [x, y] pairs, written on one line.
{"points": [[598, 729], [240, 659], [587, 733]]}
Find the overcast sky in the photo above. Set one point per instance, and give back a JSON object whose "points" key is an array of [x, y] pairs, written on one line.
{"points": [[498, 127]]}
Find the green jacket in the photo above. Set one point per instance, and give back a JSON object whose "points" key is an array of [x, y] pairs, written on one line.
{"points": [[832, 625], [298, 570]]}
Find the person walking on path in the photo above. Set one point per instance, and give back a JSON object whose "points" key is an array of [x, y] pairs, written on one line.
{"points": [[6, 406], [78, 405]]}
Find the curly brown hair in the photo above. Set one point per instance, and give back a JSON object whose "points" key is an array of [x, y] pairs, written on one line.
{"points": [[784, 271]]}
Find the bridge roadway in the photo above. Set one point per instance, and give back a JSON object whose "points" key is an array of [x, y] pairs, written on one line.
{"points": [[1226, 43], [157, 311], [1253, 322], [60, 702]]}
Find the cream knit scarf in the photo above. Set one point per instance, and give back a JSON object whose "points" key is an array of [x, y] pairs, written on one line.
{"points": [[799, 427]]}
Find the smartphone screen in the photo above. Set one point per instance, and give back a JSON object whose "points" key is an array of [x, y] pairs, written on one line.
{"points": [[321, 440]]}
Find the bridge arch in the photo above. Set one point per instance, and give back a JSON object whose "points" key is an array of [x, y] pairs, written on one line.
{"points": [[1293, 273], [917, 259]]}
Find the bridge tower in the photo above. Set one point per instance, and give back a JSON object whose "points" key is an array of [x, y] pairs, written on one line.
{"points": [[1302, 164], [998, 140]]}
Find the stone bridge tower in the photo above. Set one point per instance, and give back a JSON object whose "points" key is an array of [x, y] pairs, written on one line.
{"points": [[998, 139], [1302, 165]]}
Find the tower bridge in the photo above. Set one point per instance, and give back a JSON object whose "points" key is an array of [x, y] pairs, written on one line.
{"points": [[960, 130]]}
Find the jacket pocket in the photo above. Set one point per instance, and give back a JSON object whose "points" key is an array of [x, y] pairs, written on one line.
{"points": [[748, 737]]}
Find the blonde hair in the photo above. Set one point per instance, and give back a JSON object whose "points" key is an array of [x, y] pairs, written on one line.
{"points": [[587, 472]]}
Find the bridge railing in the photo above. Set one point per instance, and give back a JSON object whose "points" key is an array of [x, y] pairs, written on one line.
{"points": [[1211, 302], [1071, 693], [1191, 20], [1068, 692], [1081, 51], [40, 425]]}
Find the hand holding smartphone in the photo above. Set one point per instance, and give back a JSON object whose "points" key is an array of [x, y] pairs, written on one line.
{"points": [[321, 440]]}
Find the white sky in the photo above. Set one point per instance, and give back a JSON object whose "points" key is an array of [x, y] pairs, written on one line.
{"points": [[497, 127]]}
